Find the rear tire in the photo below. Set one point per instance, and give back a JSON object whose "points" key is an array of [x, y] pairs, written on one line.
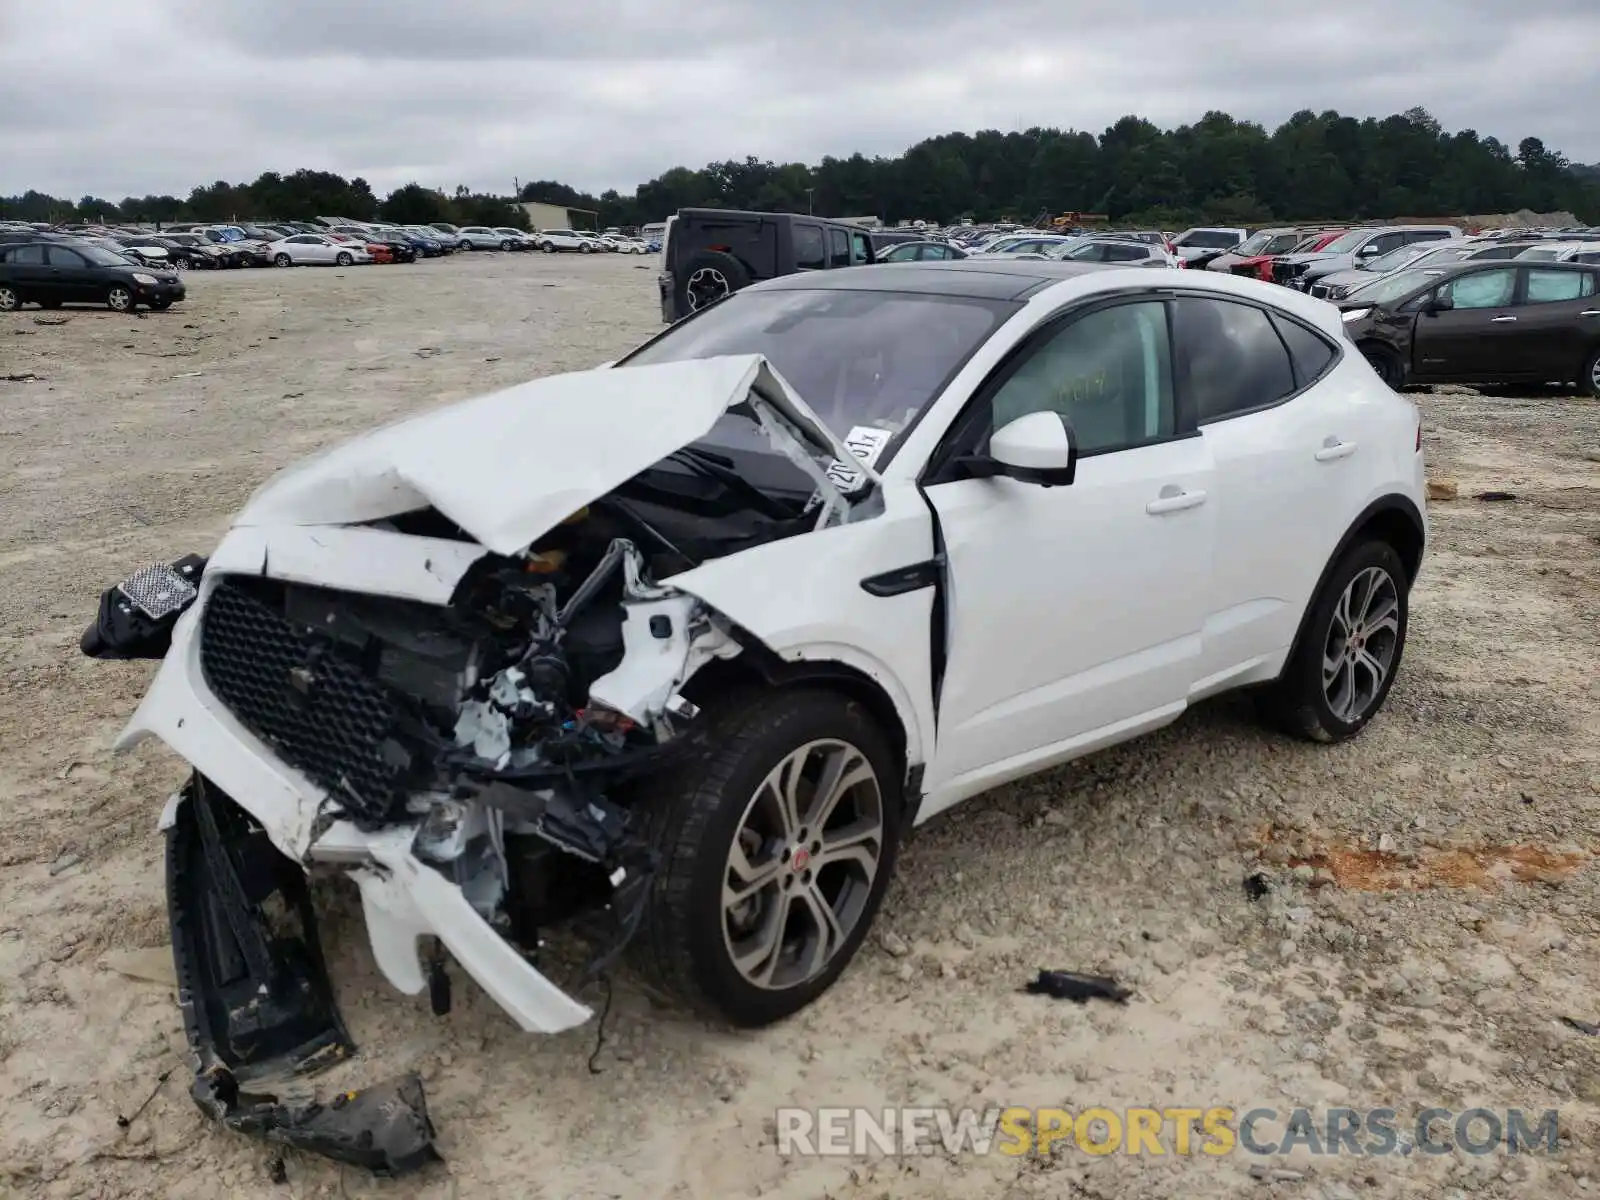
{"points": [[1340, 672], [10, 298], [751, 915], [1387, 364], [1589, 381]]}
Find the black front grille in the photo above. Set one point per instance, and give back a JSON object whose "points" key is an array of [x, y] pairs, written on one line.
{"points": [[294, 691]]}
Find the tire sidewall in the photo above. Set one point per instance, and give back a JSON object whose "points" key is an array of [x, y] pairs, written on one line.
{"points": [[16, 299], [343, 260], [804, 717], [283, 260], [1587, 383], [1306, 679], [112, 291]]}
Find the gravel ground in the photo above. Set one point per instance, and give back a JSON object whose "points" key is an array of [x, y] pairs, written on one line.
{"points": [[1431, 910]]}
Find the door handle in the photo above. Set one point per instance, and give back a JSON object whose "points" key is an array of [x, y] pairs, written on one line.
{"points": [[1500, 320], [1174, 499], [1333, 450], [1590, 312]]}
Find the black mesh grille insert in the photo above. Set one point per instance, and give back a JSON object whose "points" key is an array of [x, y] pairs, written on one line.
{"points": [[321, 712]]}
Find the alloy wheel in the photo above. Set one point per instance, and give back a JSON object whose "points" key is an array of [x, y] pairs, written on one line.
{"points": [[707, 286], [800, 870], [1594, 375], [9, 301], [1359, 650], [120, 299]]}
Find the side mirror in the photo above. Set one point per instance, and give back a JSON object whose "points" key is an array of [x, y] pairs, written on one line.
{"points": [[1038, 447], [1440, 303]]}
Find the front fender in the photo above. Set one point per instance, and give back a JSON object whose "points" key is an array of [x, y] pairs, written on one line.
{"points": [[802, 597]]}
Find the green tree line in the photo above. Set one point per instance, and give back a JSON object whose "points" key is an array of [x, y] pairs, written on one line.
{"points": [[301, 196], [1312, 167], [1315, 166]]}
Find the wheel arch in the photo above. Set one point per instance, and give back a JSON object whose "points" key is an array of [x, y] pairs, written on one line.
{"points": [[1394, 519], [761, 667]]}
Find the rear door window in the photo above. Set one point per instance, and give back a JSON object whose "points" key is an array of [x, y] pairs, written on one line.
{"points": [[1550, 287], [60, 256], [809, 254], [1230, 358], [27, 256]]}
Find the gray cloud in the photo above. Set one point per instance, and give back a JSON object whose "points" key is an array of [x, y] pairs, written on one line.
{"points": [[160, 96]]}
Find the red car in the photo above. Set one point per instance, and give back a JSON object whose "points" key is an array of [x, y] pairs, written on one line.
{"points": [[1254, 256]]}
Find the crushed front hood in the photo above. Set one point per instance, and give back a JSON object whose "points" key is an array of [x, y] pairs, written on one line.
{"points": [[509, 466]]}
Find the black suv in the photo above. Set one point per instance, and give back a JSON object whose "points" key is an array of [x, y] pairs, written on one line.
{"points": [[710, 253]]}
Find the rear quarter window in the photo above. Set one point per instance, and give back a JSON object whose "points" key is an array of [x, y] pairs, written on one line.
{"points": [[1310, 353]]}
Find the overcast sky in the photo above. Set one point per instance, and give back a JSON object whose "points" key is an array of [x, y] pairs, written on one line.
{"points": [[119, 97]]}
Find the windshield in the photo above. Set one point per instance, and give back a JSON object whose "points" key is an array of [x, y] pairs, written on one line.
{"points": [[1209, 239], [101, 257], [1256, 243], [1346, 242], [857, 358], [1395, 259], [1393, 287]]}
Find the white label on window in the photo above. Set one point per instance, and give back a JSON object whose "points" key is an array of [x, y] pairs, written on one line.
{"points": [[866, 442]]}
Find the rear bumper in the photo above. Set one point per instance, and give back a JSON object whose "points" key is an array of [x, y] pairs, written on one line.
{"points": [[403, 900]]}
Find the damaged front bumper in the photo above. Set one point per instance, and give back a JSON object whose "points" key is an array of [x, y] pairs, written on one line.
{"points": [[243, 834], [403, 899], [258, 1009]]}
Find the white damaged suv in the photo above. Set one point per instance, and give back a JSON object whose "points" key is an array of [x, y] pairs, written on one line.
{"points": [[674, 652]]}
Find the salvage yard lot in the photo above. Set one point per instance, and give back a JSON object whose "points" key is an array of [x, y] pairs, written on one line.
{"points": [[1433, 908]]}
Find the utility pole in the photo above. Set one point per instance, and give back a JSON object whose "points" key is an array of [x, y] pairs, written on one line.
{"points": [[808, 200]]}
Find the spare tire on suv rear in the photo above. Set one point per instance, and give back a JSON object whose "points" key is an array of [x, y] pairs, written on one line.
{"points": [[707, 277]]}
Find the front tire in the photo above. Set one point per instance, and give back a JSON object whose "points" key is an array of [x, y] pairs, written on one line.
{"points": [[777, 843], [120, 299], [1387, 364], [1348, 656], [343, 259], [10, 298], [283, 260]]}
